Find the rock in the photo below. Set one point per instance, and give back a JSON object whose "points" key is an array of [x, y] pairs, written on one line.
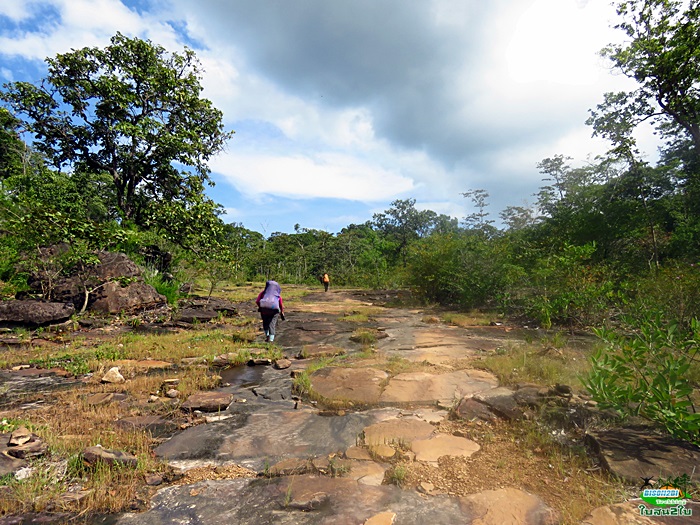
{"points": [[281, 364], [313, 502], [429, 450], [191, 361], [422, 387], [33, 448], [153, 479], [172, 393], [113, 376], [358, 453], [632, 454], [290, 467], [113, 298], [208, 402], [155, 425], [96, 454], [321, 350], [509, 505], [9, 464], [469, 409], [383, 451], [19, 437], [217, 304], [115, 265], [103, 398], [359, 385], [501, 402], [195, 315], [425, 487], [34, 313], [383, 518], [399, 431], [259, 362], [530, 396], [224, 360]]}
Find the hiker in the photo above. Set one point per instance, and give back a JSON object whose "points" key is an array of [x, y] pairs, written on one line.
{"points": [[271, 308], [326, 281]]}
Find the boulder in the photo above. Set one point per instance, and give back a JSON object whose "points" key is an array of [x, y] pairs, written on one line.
{"points": [[113, 298], [208, 402], [195, 315], [113, 376], [34, 313]]}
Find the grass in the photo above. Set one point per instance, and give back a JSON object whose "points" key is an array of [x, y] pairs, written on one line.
{"points": [[536, 364], [465, 320], [366, 337]]}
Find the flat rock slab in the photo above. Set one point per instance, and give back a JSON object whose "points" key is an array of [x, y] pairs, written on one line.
{"points": [[265, 438], [208, 401], [399, 431], [509, 506], [628, 513], [357, 385], [313, 351], [156, 425], [314, 500], [429, 450], [633, 454], [422, 387]]}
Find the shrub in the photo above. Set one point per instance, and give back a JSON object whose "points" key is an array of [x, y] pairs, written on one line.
{"points": [[646, 373]]}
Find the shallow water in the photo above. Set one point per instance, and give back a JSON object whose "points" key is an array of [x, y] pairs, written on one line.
{"points": [[243, 376]]}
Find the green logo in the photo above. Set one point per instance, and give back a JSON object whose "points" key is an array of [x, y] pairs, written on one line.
{"points": [[669, 498]]}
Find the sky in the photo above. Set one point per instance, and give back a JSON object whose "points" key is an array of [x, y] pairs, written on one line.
{"points": [[340, 107]]}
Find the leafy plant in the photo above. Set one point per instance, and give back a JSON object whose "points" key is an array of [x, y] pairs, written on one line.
{"points": [[645, 373]]}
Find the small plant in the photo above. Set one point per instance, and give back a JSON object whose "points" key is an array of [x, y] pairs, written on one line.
{"points": [[645, 374], [364, 337], [397, 475]]}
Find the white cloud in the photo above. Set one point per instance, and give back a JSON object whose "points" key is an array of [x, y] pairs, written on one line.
{"points": [[325, 175]]}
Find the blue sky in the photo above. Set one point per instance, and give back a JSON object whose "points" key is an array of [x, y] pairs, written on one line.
{"points": [[341, 107]]}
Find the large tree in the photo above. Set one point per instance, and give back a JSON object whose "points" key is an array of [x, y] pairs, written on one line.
{"points": [[132, 111], [661, 54]]}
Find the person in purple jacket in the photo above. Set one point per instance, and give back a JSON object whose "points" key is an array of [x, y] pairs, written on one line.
{"points": [[271, 308]]}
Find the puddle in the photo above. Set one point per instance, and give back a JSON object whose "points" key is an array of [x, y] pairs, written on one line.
{"points": [[243, 376]]}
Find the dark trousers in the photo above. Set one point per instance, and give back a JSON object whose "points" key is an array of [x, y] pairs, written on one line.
{"points": [[325, 287], [269, 320]]}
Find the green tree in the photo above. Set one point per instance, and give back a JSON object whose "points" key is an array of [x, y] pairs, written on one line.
{"points": [[403, 224], [134, 112]]}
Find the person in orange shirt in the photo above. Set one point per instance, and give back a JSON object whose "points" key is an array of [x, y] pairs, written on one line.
{"points": [[326, 281]]}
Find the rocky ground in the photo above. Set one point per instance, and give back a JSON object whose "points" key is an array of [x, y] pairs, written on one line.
{"points": [[380, 414]]}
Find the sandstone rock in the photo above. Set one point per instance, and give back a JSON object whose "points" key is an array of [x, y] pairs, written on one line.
{"points": [[383, 518], [290, 467], [429, 450], [113, 376], [208, 401], [383, 451], [93, 455], [509, 505], [399, 431], [360, 385], [9, 464], [156, 425], [172, 393], [112, 298], [469, 409], [224, 360], [19, 437], [32, 448], [259, 362], [422, 387], [194, 315], [501, 402], [313, 502], [114, 265], [34, 313], [633, 454], [358, 453], [153, 479], [281, 364], [314, 351]]}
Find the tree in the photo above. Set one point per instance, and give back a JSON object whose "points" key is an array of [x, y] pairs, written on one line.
{"points": [[661, 55], [403, 223], [134, 112]]}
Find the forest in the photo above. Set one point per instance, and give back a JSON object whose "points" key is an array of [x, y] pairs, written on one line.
{"points": [[110, 152]]}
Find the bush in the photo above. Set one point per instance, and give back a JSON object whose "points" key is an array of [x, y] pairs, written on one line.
{"points": [[647, 373]]}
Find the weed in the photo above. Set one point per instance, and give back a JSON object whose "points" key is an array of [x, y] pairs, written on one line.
{"points": [[397, 475], [364, 337]]}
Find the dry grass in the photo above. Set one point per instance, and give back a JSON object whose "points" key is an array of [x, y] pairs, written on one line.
{"points": [[519, 455], [466, 320]]}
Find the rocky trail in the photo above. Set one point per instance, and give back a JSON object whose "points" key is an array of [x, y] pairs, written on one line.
{"points": [[407, 430]]}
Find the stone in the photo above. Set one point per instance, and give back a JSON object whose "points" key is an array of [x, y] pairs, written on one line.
{"points": [[358, 453], [469, 409], [101, 398], [530, 396], [259, 362], [172, 393], [425, 487], [208, 402], [113, 376], [500, 401], [321, 350], [153, 479], [9, 464], [359, 385], [19, 437], [33, 448], [383, 451], [195, 315], [397, 431], [113, 298], [224, 360], [632, 454], [34, 313], [281, 364], [431, 449], [422, 387], [313, 502], [157, 426], [290, 467], [383, 518], [96, 454], [509, 505]]}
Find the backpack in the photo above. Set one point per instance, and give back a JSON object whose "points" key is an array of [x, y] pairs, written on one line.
{"points": [[271, 297]]}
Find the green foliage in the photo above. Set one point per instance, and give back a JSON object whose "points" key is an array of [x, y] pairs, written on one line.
{"points": [[645, 373], [167, 287], [76, 364]]}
